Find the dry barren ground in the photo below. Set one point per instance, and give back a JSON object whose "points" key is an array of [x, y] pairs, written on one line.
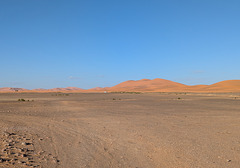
{"points": [[151, 130]]}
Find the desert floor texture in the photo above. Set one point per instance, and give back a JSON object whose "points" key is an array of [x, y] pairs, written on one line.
{"points": [[97, 130]]}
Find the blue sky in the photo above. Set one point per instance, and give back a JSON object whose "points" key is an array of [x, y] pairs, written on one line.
{"points": [[60, 43]]}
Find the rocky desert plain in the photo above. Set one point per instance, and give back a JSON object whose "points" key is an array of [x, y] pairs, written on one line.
{"points": [[135, 124]]}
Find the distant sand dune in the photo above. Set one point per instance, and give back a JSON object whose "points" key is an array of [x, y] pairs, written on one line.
{"points": [[162, 85], [145, 85]]}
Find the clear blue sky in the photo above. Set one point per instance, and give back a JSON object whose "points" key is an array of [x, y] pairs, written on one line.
{"points": [[60, 43]]}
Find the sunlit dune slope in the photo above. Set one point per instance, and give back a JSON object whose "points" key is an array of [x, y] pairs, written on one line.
{"points": [[146, 85], [162, 85], [226, 86]]}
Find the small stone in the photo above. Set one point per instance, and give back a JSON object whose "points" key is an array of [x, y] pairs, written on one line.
{"points": [[22, 149], [229, 160], [24, 155]]}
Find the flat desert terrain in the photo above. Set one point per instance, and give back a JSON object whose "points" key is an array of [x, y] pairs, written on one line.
{"points": [[97, 130]]}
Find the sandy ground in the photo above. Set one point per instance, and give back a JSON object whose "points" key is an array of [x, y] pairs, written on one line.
{"points": [[162, 130]]}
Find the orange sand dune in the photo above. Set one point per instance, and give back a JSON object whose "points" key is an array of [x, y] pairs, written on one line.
{"points": [[99, 89], [162, 85], [227, 85], [146, 85], [224, 86]]}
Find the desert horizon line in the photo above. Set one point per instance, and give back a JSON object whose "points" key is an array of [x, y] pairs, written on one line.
{"points": [[73, 88]]}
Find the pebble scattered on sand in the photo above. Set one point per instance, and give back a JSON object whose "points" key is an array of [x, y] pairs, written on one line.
{"points": [[18, 149]]}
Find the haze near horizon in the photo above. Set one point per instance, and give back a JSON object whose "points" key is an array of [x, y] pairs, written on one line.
{"points": [[86, 44]]}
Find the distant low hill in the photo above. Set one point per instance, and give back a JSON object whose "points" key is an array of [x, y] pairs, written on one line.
{"points": [[145, 85], [67, 89], [10, 89]]}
